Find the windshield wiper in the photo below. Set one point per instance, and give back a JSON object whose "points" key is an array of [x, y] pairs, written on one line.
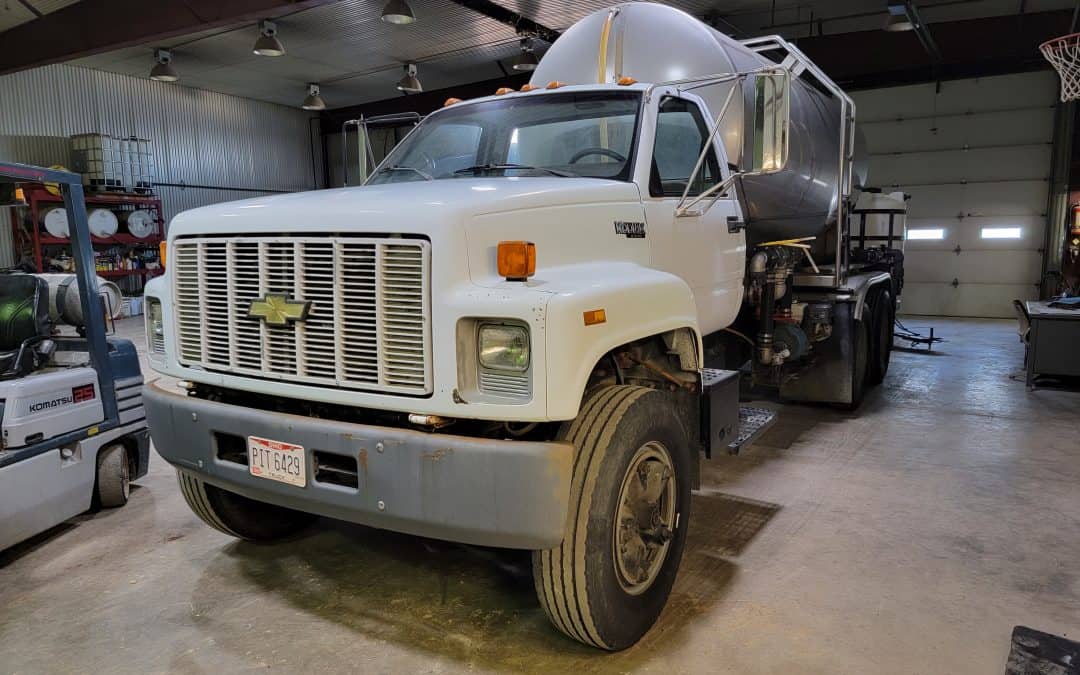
{"points": [[481, 168], [427, 176]]}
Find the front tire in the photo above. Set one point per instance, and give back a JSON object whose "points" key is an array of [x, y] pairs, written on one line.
{"points": [[238, 516], [606, 584]]}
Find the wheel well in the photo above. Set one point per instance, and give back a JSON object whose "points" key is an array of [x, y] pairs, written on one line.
{"points": [[668, 360]]}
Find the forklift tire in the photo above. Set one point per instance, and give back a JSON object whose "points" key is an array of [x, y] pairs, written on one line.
{"points": [[606, 584], [882, 313], [239, 516], [113, 476], [860, 340]]}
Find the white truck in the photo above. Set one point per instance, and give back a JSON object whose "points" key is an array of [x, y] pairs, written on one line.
{"points": [[531, 323]]}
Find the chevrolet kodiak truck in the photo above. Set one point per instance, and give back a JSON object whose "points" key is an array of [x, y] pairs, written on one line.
{"points": [[529, 326]]}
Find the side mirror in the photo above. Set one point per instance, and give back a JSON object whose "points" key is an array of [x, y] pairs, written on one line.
{"points": [[766, 119]]}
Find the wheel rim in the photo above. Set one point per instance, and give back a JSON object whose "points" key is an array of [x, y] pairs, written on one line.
{"points": [[644, 518]]}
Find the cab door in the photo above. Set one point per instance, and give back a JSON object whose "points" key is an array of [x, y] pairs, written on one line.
{"points": [[707, 250]]}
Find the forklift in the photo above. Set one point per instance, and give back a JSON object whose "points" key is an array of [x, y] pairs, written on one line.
{"points": [[73, 433]]}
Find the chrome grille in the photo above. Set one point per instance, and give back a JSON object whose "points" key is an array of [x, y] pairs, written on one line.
{"points": [[367, 327]]}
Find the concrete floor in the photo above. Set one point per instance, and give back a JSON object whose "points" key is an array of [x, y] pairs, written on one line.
{"points": [[909, 538]]}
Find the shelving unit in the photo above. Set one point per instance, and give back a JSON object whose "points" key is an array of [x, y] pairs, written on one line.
{"points": [[31, 241]]}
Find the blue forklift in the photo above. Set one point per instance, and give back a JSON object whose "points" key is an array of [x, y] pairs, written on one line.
{"points": [[72, 429]]}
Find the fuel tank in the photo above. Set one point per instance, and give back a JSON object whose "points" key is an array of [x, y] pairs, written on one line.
{"points": [[656, 43]]}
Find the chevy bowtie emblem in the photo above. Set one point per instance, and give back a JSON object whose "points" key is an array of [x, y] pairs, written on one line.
{"points": [[278, 310]]}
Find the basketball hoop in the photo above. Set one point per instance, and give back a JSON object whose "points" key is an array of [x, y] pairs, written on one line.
{"points": [[1063, 53]]}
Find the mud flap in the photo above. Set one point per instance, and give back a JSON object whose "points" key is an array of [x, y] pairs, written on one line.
{"points": [[829, 377]]}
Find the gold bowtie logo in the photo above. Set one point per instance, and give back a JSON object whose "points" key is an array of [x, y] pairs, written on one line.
{"points": [[278, 310]]}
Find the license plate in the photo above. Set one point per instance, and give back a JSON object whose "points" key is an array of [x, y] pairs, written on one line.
{"points": [[277, 460]]}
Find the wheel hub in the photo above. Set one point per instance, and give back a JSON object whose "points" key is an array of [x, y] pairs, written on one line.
{"points": [[645, 518]]}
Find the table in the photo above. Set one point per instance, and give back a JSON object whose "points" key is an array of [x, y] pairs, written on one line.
{"points": [[1054, 341]]}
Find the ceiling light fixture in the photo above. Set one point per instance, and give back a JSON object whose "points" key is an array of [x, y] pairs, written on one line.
{"points": [[313, 101], [163, 70], [409, 83], [399, 12], [526, 60], [898, 21], [268, 44]]}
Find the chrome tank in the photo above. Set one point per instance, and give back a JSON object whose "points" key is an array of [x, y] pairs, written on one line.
{"points": [[657, 43]]}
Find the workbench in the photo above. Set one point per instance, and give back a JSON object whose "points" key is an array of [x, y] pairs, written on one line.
{"points": [[1053, 343]]}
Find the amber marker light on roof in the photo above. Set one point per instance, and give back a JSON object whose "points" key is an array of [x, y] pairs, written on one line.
{"points": [[626, 81], [528, 87], [503, 90], [517, 260], [555, 84], [451, 101]]}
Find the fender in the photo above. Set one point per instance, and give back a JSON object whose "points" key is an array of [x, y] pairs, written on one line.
{"points": [[637, 301]]}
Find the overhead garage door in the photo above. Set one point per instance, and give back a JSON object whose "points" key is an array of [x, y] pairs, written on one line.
{"points": [[975, 157]]}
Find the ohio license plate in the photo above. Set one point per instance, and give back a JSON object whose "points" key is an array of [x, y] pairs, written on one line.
{"points": [[277, 460]]}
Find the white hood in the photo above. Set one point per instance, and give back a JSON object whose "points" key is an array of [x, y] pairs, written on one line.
{"points": [[419, 207]]}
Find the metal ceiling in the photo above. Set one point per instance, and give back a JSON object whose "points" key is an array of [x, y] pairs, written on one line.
{"points": [[16, 12], [357, 58]]}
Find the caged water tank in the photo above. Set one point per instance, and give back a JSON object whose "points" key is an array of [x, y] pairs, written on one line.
{"points": [[656, 43]]}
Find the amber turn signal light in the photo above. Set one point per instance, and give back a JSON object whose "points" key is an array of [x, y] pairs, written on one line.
{"points": [[594, 316], [517, 260], [161, 251]]}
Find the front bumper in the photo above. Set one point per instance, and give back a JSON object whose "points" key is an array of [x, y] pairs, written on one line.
{"points": [[487, 492]]}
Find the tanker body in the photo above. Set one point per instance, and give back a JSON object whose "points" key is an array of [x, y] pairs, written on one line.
{"points": [[530, 324]]}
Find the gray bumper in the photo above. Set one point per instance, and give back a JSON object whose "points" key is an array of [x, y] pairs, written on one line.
{"points": [[511, 494]]}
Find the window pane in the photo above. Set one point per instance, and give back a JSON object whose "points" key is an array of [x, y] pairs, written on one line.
{"points": [[927, 233], [1001, 233], [680, 135]]}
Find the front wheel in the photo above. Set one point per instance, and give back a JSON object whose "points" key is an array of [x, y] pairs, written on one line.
{"points": [[239, 516], [606, 584]]}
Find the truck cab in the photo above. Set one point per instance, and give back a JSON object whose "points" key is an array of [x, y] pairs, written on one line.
{"points": [[502, 337]]}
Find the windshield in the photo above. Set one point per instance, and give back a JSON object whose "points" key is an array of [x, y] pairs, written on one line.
{"points": [[570, 134]]}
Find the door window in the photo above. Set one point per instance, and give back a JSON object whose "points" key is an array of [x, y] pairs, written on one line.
{"points": [[681, 133]]}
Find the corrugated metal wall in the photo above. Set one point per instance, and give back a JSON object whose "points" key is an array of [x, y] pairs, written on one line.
{"points": [[237, 147]]}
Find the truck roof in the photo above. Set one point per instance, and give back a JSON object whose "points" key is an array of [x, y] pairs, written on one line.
{"points": [[605, 86]]}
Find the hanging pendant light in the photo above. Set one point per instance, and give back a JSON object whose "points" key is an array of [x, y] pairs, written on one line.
{"points": [[409, 83], [898, 20], [163, 70], [313, 101], [526, 60], [268, 43], [399, 12]]}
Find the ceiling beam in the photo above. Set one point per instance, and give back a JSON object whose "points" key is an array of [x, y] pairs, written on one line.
{"points": [[522, 24], [95, 26], [972, 48]]}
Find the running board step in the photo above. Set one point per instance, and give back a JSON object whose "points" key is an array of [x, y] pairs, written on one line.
{"points": [[752, 423]]}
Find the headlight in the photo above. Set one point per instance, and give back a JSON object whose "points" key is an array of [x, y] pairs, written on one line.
{"points": [[503, 347], [155, 326]]}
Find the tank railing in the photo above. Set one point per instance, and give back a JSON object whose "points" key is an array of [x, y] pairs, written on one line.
{"points": [[847, 135], [682, 208]]}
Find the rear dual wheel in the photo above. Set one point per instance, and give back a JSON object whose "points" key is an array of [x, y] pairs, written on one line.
{"points": [[883, 313], [606, 584]]}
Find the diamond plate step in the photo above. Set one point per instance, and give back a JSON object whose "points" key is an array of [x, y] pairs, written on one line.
{"points": [[753, 422]]}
